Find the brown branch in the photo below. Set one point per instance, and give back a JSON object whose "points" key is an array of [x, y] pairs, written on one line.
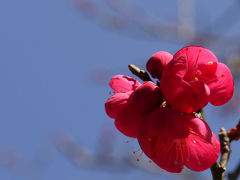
{"points": [[218, 169], [143, 75], [234, 133], [225, 147]]}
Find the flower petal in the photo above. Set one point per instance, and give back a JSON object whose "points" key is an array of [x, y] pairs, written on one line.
{"points": [[198, 59], [116, 103], [202, 93], [177, 67], [146, 97], [122, 83], [157, 63], [201, 154], [167, 152], [184, 97], [128, 121], [222, 86], [198, 127], [167, 122]]}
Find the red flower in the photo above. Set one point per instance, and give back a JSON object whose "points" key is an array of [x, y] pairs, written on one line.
{"points": [[173, 140], [147, 97], [193, 78], [123, 87], [158, 62], [131, 102]]}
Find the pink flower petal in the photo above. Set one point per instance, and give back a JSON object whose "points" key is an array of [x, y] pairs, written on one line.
{"points": [[173, 140], [128, 121], [167, 122], [177, 67], [198, 59], [167, 154], [157, 63], [201, 154], [202, 93], [182, 96], [198, 127], [146, 97], [122, 83], [116, 103], [158, 138], [222, 86], [185, 96]]}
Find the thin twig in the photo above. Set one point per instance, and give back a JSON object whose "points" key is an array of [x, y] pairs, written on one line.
{"points": [[234, 133], [218, 169], [225, 148], [143, 75]]}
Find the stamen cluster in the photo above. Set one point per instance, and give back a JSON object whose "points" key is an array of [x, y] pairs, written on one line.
{"points": [[162, 117]]}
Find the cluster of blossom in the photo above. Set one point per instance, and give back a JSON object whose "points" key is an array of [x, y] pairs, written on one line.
{"points": [[163, 117]]}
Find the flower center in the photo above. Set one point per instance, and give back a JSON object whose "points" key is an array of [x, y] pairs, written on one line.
{"points": [[195, 71]]}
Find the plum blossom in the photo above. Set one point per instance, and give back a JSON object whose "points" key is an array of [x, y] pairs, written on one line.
{"points": [[162, 116], [173, 140], [130, 102], [193, 78]]}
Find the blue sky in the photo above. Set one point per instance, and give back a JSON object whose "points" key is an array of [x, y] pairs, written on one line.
{"points": [[49, 53]]}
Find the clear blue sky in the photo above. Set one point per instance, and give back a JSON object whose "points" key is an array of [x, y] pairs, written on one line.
{"points": [[48, 56]]}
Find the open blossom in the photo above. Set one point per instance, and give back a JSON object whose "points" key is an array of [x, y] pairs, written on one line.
{"points": [[193, 78], [162, 118], [173, 140], [123, 86], [119, 106], [130, 102]]}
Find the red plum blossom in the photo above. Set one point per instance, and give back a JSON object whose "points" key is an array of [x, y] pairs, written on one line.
{"points": [[173, 140], [193, 78], [130, 102]]}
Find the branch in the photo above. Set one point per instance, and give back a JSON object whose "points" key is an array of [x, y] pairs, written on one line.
{"points": [[143, 75], [218, 169], [234, 133]]}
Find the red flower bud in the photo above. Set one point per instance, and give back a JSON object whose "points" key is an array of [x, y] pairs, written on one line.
{"points": [[157, 63]]}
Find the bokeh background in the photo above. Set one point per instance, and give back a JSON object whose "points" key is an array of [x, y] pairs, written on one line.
{"points": [[56, 59]]}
